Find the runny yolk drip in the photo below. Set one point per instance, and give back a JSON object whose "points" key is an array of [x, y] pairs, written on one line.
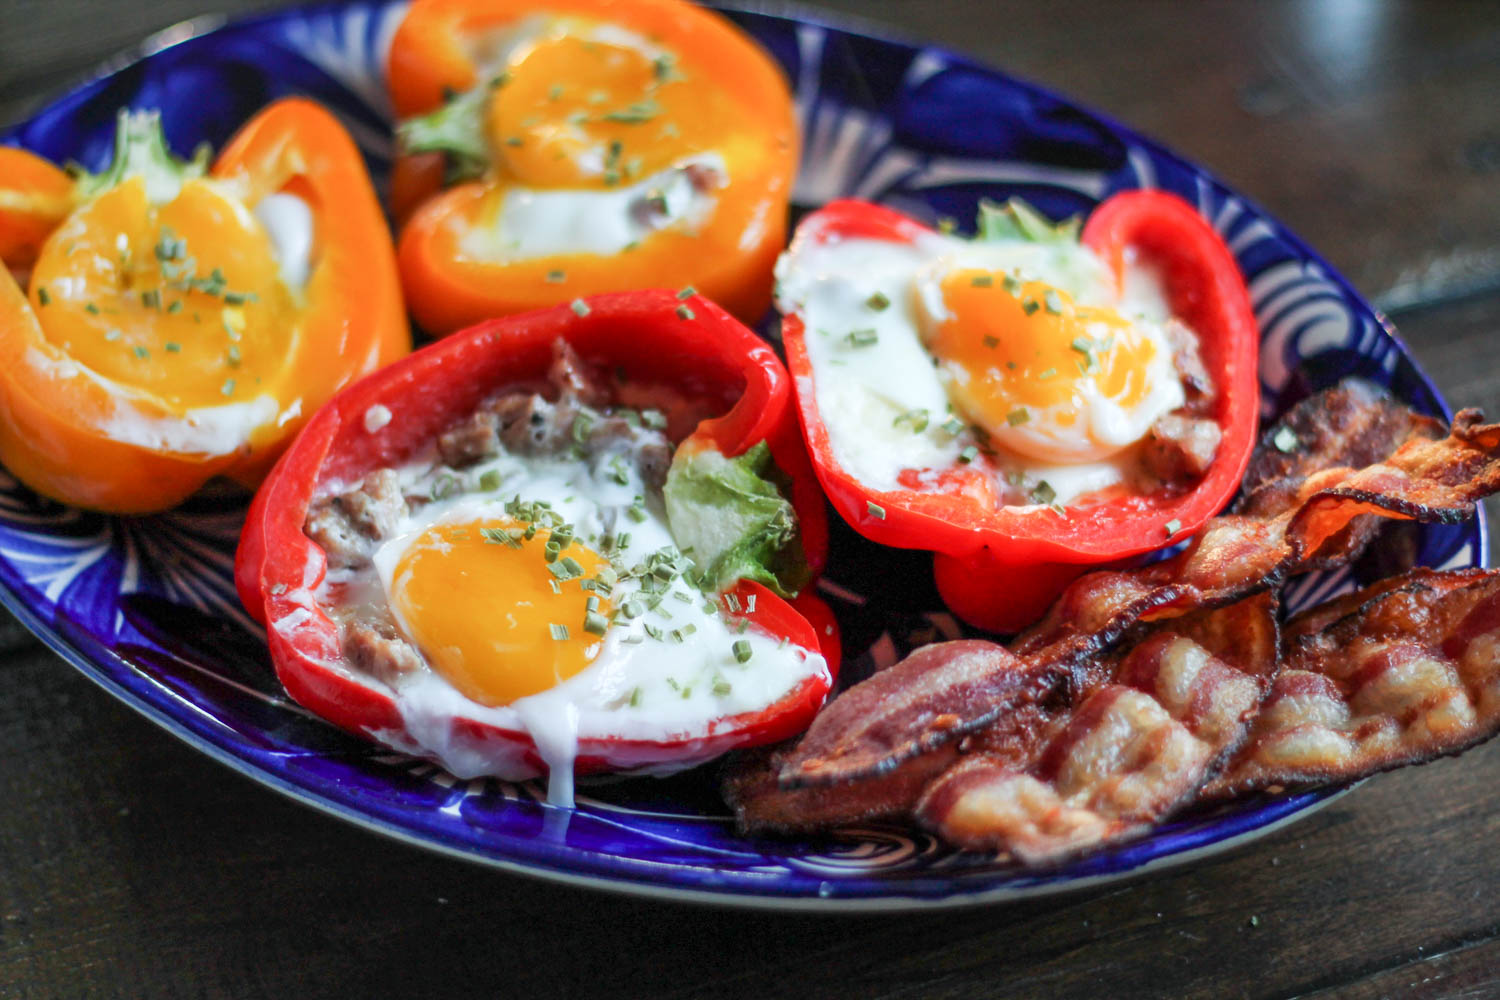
{"points": [[1012, 350], [495, 618], [182, 300], [579, 113]]}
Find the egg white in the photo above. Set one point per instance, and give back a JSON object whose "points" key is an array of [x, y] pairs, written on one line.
{"points": [[638, 687], [863, 391]]}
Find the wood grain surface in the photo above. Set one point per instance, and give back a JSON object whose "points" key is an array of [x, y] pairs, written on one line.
{"points": [[132, 866]]}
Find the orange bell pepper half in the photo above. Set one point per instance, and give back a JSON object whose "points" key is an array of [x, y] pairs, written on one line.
{"points": [[590, 146], [180, 323]]}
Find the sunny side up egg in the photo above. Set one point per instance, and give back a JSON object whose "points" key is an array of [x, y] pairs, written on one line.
{"points": [[1018, 355], [518, 638]]}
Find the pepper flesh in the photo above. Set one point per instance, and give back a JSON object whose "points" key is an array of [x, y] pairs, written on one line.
{"points": [[641, 335], [1000, 567], [118, 364], [734, 104]]}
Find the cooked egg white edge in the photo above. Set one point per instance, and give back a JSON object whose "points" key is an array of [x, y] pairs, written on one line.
{"points": [[288, 220], [534, 223], [861, 391], [594, 703]]}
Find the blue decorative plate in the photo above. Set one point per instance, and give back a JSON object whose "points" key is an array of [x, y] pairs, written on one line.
{"points": [[146, 607]]}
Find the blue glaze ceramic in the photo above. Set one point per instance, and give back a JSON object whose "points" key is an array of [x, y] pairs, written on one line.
{"points": [[146, 606]]}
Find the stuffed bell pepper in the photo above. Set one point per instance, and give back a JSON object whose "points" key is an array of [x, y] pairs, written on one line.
{"points": [[577, 146], [180, 322], [567, 541], [1028, 403]]}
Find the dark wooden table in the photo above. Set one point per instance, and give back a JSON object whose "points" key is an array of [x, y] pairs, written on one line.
{"points": [[132, 866]]}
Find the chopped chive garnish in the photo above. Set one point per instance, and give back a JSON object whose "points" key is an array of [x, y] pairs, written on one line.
{"points": [[875, 510], [916, 419], [878, 301], [174, 308], [232, 356], [683, 312], [499, 536], [43, 296], [228, 387], [1011, 284], [732, 602], [1018, 416], [594, 623], [559, 632], [557, 276], [1173, 527], [171, 347], [861, 338], [655, 632], [1083, 346], [968, 454], [742, 650], [141, 352], [982, 280], [151, 298], [953, 425], [1054, 302], [635, 694], [1049, 373], [91, 309], [654, 419], [1043, 493], [1029, 306], [579, 307], [113, 335], [687, 292], [490, 479], [991, 341], [947, 224], [721, 687]]}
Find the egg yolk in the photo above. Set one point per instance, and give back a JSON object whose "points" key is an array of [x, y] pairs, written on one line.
{"points": [[574, 112], [492, 615], [183, 300], [1013, 350]]}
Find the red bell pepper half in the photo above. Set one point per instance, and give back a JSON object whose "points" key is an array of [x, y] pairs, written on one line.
{"points": [[1001, 567], [653, 338]]}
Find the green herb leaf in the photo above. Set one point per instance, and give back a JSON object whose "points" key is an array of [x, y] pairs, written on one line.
{"points": [[732, 514]]}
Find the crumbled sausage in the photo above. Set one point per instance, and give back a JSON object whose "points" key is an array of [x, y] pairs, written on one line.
{"points": [[1196, 380], [572, 378], [345, 526], [470, 440], [1179, 449], [380, 652]]}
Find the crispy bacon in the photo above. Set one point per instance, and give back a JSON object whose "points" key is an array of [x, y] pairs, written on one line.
{"points": [[910, 710], [1135, 749], [1401, 672], [1057, 744]]}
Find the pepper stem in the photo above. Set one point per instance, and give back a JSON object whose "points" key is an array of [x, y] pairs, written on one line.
{"points": [[457, 129], [141, 151]]}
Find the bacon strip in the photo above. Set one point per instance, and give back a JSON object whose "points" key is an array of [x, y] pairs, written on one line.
{"points": [[901, 713], [1399, 673], [965, 728], [1135, 749]]}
